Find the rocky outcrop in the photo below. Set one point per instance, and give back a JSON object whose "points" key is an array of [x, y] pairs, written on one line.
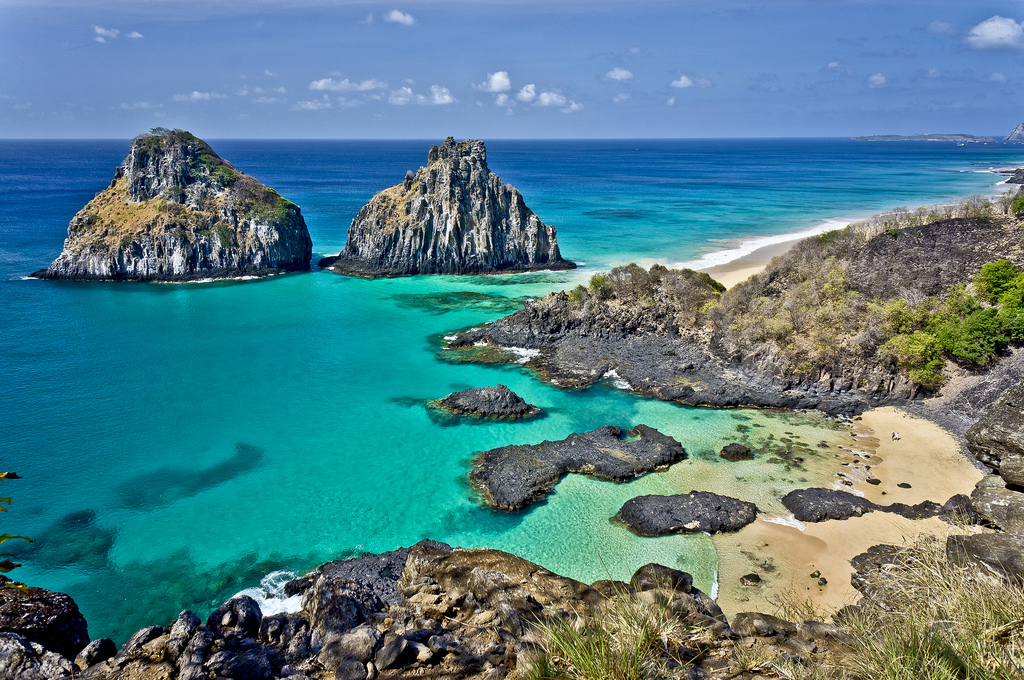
{"points": [[999, 434], [695, 512], [44, 617], [735, 452], [820, 505], [997, 555], [453, 216], [512, 477], [1016, 134], [488, 402], [176, 211], [999, 505]]}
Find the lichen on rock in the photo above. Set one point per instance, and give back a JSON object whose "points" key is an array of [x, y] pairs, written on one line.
{"points": [[177, 211], [453, 216]]}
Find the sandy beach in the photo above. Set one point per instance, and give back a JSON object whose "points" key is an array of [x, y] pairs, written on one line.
{"points": [[742, 268], [784, 556]]}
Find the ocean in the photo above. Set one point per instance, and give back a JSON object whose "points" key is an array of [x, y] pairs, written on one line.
{"points": [[180, 443]]}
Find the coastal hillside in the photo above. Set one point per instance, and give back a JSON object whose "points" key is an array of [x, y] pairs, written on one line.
{"points": [[177, 211], [845, 320], [453, 216]]}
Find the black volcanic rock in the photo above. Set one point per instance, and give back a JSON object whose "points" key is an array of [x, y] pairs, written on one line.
{"points": [[491, 402], [453, 216], [735, 452], [512, 477], [689, 513], [820, 505], [176, 211], [41, 616], [999, 434]]}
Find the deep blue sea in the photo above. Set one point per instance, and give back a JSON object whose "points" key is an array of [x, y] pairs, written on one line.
{"points": [[179, 442]]}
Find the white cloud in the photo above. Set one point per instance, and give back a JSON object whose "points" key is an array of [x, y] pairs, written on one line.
{"points": [[682, 81], [940, 27], [527, 94], [268, 72], [397, 17], [266, 100], [137, 106], [440, 96], [135, 35], [997, 33], [573, 107], [501, 99], [197, 96], [496, 82], [997, 78], [103, 33], [242, 91], [933, 72], [346, 85], [368, 19], [621, 97], [313, 104], [833, 64], [550, 99], [671, 101], [876, 81], [618, 73]]}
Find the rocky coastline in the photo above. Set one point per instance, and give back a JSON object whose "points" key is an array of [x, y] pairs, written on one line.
{"points": [[176, 211], [452, 216]]}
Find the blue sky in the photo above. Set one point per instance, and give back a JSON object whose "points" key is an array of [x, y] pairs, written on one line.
{"points": [[520, 69]]}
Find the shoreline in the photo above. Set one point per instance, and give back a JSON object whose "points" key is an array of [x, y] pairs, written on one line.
{"points": [[784, 555]]}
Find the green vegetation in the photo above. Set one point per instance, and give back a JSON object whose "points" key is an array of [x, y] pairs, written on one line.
{"points": [[262, 203]]}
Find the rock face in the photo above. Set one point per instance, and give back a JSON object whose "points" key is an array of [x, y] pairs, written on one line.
{"points": [[44, 617], [999, 434], [489, 402], [689, 513], [998, 555], [1016, 134], [176, 211], [512, 477], [453, 216]]}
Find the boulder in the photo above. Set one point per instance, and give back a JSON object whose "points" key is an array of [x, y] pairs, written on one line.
{"points": [[1000, 432], [95, 652], [819, 505], [997, 555], [736, 451], [377, 574], [489, 402], [22, 659], [697, 511], [512, 477], [42, 616], [998, 505], [239, 617], [335, 605]]}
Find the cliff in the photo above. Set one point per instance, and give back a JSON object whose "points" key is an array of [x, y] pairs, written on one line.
{"points": [[453, 216], [176, 211]]}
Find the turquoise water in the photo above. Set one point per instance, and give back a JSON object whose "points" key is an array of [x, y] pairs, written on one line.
{"points": [[178, 442]]}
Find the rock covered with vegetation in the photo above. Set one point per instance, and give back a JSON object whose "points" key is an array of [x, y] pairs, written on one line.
{"points": [[176, 211], [846, 320], [453, 216]]}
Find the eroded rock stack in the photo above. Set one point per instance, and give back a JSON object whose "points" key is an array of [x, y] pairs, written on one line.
{"points": [[176, 211], [453, 216]]}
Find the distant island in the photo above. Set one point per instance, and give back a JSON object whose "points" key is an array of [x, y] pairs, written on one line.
{"points": [[923, 138]]}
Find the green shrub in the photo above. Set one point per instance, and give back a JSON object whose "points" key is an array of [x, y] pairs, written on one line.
{"points": [[919, 353], [599, 286], [576, 295], [994, 278], [1011, 310]]}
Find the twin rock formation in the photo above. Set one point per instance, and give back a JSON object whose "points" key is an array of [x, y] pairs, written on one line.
{"points": [[176, 211]]}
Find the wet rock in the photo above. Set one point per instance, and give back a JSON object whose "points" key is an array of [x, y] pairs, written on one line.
{"points": [[750, 580], [999, 433], [697, 511], [512, 477], [378, 574], [997, 555], [736, 452], [42, 616], [95, 652], [22, 659], [489, 402], [453, 217], [238, 617]]}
